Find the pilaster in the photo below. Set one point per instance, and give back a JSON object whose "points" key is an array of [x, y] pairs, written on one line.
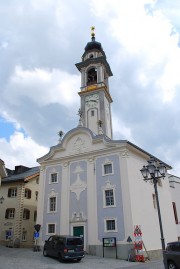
{"points": [[64, 213], [92, 203]]}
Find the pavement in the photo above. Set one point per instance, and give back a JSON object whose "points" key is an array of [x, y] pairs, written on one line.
{"points": [[21, 258]]}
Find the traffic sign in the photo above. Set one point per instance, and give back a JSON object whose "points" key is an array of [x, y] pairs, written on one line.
{"points": [[36, 235], [37, 227]]}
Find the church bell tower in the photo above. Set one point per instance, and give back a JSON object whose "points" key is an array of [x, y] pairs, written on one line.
{"points": [[95, 97]]}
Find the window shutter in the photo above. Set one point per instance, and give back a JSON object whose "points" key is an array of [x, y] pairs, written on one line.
{"points": [[9, 192], [6, 214], [29, 194], [175, 212], [35, 215], [28, 214]]}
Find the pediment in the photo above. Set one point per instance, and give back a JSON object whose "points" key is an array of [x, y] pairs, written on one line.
{"points": [[78, 141]]}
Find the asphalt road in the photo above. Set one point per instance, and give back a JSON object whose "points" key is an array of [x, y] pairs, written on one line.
{"points": [[13, 258]]}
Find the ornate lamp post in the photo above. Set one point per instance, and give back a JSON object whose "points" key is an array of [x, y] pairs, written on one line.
{"points": [[1, 200], [153, 172]]}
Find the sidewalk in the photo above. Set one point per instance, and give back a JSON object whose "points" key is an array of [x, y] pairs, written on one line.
{"points": [[16, 258]]}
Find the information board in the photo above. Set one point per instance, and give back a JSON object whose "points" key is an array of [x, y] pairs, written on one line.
{"points": [[109, 242]]}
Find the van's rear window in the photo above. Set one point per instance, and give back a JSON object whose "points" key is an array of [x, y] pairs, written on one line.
{"points": [[74, 241]]}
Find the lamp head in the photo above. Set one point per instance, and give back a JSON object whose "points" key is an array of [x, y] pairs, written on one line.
{"points": [[162, 169], [144, 172], [1, 200]]}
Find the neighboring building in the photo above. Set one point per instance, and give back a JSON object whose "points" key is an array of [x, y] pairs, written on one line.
{"points": [[3, 172], [18, 209], [91, 185], [174, 183]]}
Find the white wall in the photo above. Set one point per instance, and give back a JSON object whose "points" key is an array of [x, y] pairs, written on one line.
{"points": [[174, 183], [143, 211]]}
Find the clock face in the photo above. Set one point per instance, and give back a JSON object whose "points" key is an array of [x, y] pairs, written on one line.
{"points": [[92, 100]]}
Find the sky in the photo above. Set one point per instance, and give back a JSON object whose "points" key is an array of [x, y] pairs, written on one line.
{"points": [[40, 42]]}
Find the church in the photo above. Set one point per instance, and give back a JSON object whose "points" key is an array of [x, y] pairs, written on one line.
{"points": [[91, 185]]}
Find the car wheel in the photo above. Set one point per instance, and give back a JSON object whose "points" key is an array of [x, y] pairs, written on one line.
{"points": [[79, 259], [171, 265], [45, 253]]}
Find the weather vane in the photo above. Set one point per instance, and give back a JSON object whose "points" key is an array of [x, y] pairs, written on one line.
{"points": [[92, 32]]}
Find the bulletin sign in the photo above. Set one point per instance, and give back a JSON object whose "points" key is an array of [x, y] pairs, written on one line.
{"points": [[109, 242]]}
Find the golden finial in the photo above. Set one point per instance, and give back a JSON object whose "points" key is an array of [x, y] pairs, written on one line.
{"points": [[92, 32]]}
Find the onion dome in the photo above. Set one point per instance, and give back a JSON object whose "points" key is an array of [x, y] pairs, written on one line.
{"points": [[93, 45]]}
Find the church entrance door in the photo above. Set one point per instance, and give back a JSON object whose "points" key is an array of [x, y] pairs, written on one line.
{"points": [[79, 231]]}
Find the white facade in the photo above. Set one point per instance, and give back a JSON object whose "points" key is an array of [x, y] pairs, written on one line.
{"points": [[174, 183], [91, 185]]}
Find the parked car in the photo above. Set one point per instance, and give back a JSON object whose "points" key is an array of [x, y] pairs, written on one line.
{"points": [[172, 255], [64, 247]]}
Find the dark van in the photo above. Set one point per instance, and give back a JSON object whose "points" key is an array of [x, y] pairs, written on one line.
{"points": [[172, 255], [64, 247]]}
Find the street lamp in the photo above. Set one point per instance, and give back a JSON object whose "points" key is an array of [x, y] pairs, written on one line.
{"points": [[1, 200], [153, 172]]}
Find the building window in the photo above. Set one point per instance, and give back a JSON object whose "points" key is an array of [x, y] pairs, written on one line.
{"points": [[27, 193], [51, 228], [10, 213], [154, 201], [12, 192], [110, 225], [54, 178], [35, 216], [109, 197], [108, 169], [175, 213], [26, 214], [24, 236], [37, 180], [36, 195], [52, 204]]}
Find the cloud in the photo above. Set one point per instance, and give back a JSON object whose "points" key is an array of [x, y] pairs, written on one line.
{"points": [[42, 41], [20, 150], [42, 87]]}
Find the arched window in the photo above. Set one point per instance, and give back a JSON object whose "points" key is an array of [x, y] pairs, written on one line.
{"points": [[92, 76]]}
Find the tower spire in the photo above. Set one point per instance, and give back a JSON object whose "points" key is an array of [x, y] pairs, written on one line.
{"points": [[95, 95]]}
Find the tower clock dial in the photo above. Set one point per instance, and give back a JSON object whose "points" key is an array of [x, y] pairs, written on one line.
{"points": [[92, 100]]}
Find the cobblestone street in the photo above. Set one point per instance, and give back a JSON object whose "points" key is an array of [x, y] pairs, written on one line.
{"points": [[13, 258]]}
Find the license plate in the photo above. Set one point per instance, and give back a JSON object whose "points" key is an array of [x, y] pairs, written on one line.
{"points": [[71, 250]]}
